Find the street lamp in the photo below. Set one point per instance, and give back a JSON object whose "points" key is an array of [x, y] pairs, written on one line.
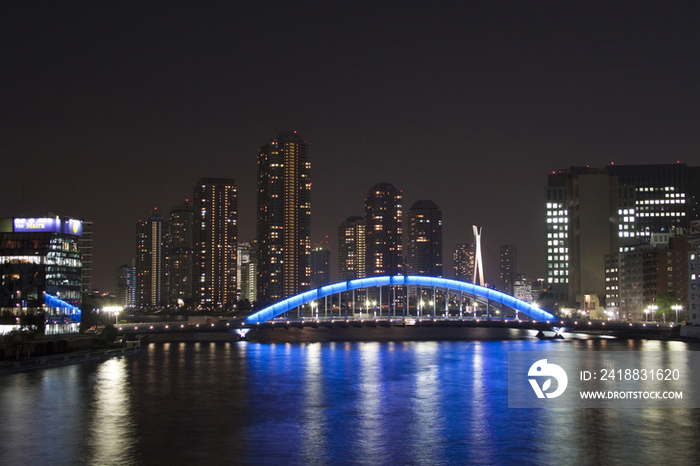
{"points": [[646, 314], [653, 309], [677, 307], [114, 309]]}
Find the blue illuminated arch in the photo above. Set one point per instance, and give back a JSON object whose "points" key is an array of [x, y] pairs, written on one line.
{"points": [[470, 289]]}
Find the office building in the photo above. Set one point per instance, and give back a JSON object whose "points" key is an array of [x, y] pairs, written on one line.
{"points": [[582, 228], [424, 243], [383, 231], [284, 218], [215, 240], [351, 249], [40, 268], [666, 197], [179, 254], [150, 262]]}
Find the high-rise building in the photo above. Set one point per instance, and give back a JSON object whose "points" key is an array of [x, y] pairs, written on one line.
{"points": [[215, 238], [247, 272], [85, 248], [424, 245], [150, 262], [351, 249], [179, 254], [464, 262], [320, 265], [123, 285], [582, 228], [509, 267], [383, 231], [284, 217]]}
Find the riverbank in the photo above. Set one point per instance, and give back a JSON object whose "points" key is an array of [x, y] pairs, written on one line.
{"points": [[73, 357]]}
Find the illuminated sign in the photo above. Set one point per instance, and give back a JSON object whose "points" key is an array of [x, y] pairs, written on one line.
{"points": [[73, 227], [48, 225], [44, 225]]}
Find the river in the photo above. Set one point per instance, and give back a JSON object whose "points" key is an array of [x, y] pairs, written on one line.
{"points": [[325, 403]]}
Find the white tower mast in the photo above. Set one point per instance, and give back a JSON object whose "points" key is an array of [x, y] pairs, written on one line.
{"points": [[478, 265]]}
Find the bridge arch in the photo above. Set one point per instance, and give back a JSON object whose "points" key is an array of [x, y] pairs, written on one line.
{"points": [[470, 290]]}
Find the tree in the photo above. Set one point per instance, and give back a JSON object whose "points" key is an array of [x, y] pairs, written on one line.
{"points": [[665, 301]]}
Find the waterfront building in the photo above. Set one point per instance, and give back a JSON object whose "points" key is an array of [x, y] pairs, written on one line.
{"points": [[464, 262], [215, 240], [351, 249], [666, 197], [582, 228], [284, 217], [40, 267], [508, 268], [664, 270], [150, 262], [424, 243], [320, 265], [179, 254], [383, 231], [85, 248]]}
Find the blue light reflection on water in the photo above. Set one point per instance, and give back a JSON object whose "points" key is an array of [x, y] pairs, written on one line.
{"points": [[323, 403]]}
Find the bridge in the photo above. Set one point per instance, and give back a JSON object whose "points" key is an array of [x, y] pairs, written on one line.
{"points": [[405, 301], [400, 297]]}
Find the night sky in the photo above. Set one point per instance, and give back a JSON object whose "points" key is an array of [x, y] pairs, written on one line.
{"points": [[109, 109]]}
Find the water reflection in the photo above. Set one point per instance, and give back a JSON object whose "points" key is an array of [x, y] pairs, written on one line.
{"points": [[327, 403], [111, 424]]}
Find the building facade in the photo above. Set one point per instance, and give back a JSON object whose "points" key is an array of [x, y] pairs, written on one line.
{"points": [[351, 249], [383, 231], [424, 242], [179, 254], [284, 217], [247, 272], [40, 267], [215, 240], [320, 265], [151, 281], [85, 248], [464, 262], [508, 268], [582, 228]]}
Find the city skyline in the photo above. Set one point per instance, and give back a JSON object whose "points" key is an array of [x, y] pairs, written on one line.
{"points": [[109, 112]]}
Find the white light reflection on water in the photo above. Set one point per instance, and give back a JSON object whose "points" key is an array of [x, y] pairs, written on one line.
{"points": [[111, 428], [426, 426], [314, 416], [369, 387]]}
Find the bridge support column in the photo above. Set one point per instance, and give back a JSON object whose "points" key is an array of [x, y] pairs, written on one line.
{"points": [[432, 311]]}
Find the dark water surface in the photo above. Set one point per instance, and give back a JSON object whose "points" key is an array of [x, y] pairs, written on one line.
{"points": [[358, 403]]}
